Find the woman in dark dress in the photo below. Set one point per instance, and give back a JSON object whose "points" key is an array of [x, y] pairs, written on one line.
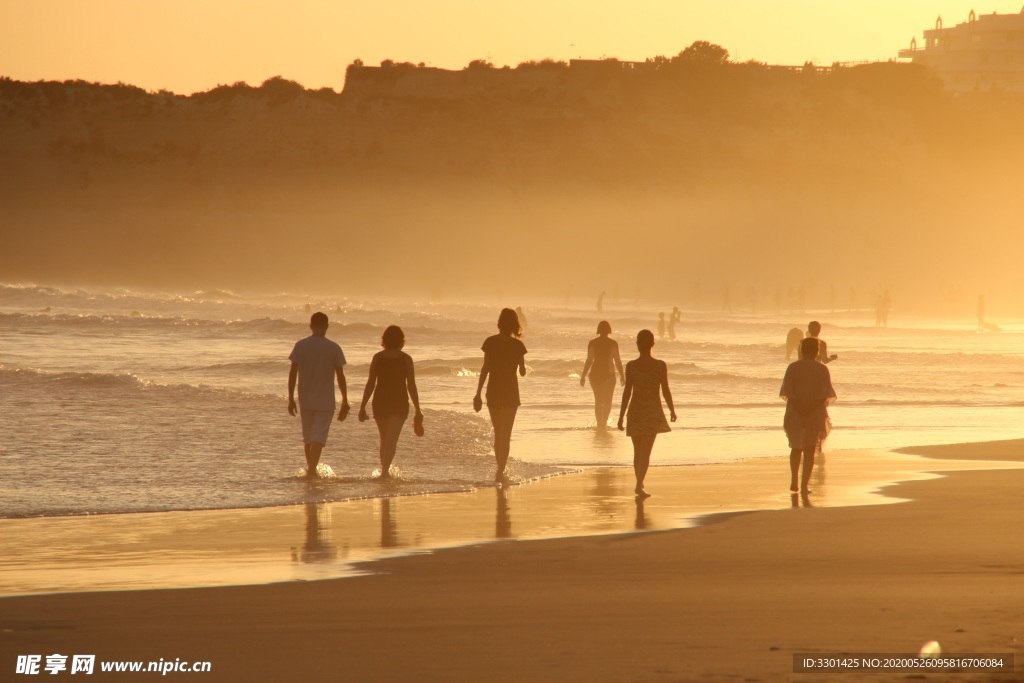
{"points": [[807, 390], [645, 378], [602, 362], [503, 355], [392, 382]]}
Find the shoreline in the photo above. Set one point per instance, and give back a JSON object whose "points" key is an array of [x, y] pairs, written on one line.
{"points": [[328, 540], [731, 600]]}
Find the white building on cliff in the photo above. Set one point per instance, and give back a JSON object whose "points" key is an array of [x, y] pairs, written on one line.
{"points": [[984, 53]]}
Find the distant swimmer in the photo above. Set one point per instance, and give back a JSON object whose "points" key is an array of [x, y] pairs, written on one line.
{"points": [[813, 330], [646, 382], [316, 362], [676, 316], [392, 382], [602, 362], [793, 339], [661, 325], [600, 303], [504, 353], [807, 390]]}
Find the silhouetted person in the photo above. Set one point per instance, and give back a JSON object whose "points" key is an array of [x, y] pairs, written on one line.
{"points": [[886, 305], [316, 362], [602, 361], [981, 313], [645, 378], [807, 390], [813, 330], [392, 382], [793, 339], [503, 354], [676, 316], [661, 325], [600, 302]]}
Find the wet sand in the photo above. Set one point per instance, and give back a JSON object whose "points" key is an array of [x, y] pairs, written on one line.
{"points": [[730, 599]]}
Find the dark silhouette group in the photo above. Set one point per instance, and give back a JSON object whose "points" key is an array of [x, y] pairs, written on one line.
{"points": [[318, 362]]}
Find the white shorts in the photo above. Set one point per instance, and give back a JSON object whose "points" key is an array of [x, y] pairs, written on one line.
{"points": [[315, 425]]}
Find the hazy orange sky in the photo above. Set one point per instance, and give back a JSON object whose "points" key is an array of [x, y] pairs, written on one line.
{"points": [[193, 45]]}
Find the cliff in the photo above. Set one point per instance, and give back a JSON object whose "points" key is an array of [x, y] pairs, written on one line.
{"points": [[701, 156]]}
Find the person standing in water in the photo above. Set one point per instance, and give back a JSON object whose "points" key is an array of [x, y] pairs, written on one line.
{"points": [[661, 325], [504, 353], [602, 362], [676, 316], [316, 362], [807, 390], [392, 382], [813, 330], [645, 377]]}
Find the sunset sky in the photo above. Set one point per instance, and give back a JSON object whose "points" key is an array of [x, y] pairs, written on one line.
{"points": [[193, 45]]}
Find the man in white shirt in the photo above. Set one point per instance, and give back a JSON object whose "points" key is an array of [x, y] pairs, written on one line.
{"points": [[316, 361]]}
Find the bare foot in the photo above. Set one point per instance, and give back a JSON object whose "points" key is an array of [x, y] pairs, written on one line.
{"points": [[640, 493]]}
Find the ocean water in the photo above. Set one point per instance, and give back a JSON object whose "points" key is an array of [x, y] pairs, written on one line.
{"points": [[129, 400]]}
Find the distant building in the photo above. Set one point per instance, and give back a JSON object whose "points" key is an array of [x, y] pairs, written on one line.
{"points": [[984, 53]]}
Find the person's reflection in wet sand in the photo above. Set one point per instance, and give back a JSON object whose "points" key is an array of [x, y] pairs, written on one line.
{"points": [[797, 500], [388, 526], [502, 514], [818, 476], [317, 546], [606, 495], [642, 521]]}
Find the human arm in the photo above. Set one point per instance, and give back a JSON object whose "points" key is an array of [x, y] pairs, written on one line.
{"points": [[485, 369], [522, 361], [414, 393], [371, 384], [627, 392], [343, 385], [825, 358], [587, 364], [666, 392], [293, 375]]}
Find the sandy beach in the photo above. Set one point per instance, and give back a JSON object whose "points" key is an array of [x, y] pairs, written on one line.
{"points": [[732, 598]]}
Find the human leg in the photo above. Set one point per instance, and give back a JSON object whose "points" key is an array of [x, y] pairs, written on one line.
{"points": [[643, 444], [604, 408], [502, 418], [390, 427], [808, 466], [313, 451], [315, 426], [794, 469], [598, 397]]}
